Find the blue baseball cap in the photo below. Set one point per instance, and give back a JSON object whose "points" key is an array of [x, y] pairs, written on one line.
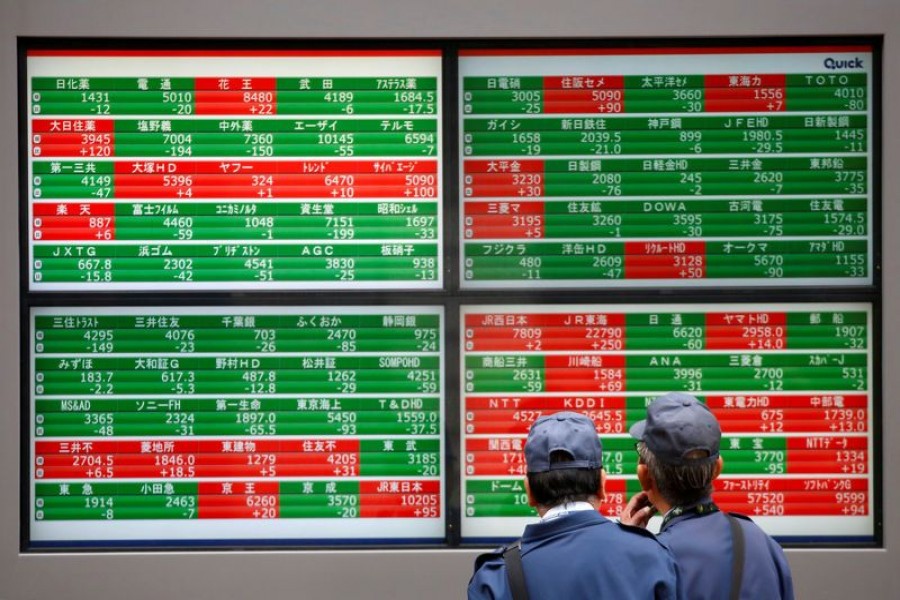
{"points": [[569, 432], [676, 425]]}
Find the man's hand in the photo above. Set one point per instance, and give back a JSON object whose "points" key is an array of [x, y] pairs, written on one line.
{"points": [[638, 511]]}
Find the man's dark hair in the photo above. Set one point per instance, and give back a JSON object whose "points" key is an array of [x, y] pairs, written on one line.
{"points": [[680, 485], [561, 485]]}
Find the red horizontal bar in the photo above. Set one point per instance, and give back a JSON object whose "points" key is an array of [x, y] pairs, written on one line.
{"points": [[747, 94], [596, 97], [400, 486], [745, 343], [85, 139], [325, 192], [205, 511], [515, 422], [545, 345], [273, 167], [590, 82], [496, 469], [735, 403], [745, 80], [583, 106], [234, 108], [237, 488], [552, 384], [584, 363], [258, 180], [90, 151], [714, 105], [663, 272], [826, 466], [84, 234], [789, 508], [511, 404], [398, 512], [794, 425], [788, 484], [743, 318], [79, 126], [834, 443], [219, 84], [567, 319], [93, 222], [73, 209], [152, 447], [665, 248], [251, 501], [397, 500]]}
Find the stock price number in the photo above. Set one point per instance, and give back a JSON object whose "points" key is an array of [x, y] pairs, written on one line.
{"points": [[428, 463]]}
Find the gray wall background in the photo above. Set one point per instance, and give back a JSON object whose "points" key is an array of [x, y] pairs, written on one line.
{"points": [[437, 574]]}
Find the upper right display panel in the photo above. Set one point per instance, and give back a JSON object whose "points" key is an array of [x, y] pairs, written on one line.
{"points": [[639, 167]]}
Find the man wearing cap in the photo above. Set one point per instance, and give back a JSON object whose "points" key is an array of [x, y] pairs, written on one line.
{"points": [[574, 552], [719, 555]]}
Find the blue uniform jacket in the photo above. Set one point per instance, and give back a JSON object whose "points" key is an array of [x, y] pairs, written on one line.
{"points": [[702, 547], [583, 555]]}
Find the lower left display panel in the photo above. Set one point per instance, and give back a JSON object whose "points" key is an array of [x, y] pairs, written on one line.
{"points": [[209, 426]]}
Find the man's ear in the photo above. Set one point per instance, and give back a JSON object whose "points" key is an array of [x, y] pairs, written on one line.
{"points": [[718, 470], [644, 477], [601, 492]]}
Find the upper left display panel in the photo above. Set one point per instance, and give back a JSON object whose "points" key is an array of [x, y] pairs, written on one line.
{"points": [[233, 170]]}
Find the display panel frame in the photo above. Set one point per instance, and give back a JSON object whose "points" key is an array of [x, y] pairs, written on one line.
{"points": [[265, 466], [451, 296], [615, 407], [533, 85], [290, 203]]}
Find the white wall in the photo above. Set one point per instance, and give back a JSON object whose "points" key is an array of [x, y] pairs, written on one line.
{"points": [[437, 574]]}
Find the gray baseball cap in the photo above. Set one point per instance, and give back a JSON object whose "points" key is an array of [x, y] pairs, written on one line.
{"points": [[570, 432], [677, 424]]}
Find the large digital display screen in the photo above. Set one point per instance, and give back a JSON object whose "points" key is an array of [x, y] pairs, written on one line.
{"points": [[256, 313], [228, 170], [674, 167], [791, 385], [210, 424]]}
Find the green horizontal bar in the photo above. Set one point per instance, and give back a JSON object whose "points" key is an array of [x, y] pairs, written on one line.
{"points": [[242, 249], [769, 122], [226, 275]]}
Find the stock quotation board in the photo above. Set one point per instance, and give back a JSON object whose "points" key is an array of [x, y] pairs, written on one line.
{"points": [[191, 170], [257, 423], [246, 285], [666, 167], [790, 384]]}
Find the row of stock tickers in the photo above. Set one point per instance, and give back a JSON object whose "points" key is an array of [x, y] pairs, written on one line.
{"points": [[322, 171]]}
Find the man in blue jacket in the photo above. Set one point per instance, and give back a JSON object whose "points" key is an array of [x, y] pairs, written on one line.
{"points": [[574, 552], [678, 461]]}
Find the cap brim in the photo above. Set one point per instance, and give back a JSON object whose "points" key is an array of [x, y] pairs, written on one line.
{"points": [[637, 430]]}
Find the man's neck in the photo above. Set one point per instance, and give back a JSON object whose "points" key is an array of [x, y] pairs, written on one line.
{"points": [[542, 510], [662, 507]]}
